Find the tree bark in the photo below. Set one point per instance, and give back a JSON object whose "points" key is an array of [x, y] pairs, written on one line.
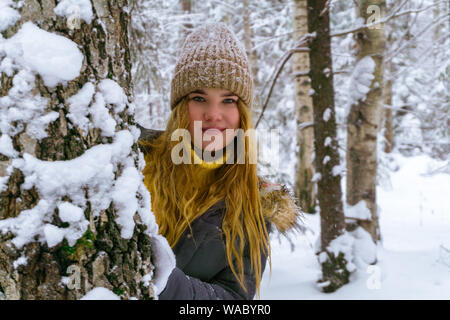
{"points": [[363, 122], [332, 223], [186, 7], [304, 187], [101, 257], [388, 112]]}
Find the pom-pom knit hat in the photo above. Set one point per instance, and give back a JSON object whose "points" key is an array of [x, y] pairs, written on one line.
{"points": [[212, 57]]}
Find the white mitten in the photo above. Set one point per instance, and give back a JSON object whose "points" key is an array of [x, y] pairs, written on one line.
{"points": [[163, 260]]}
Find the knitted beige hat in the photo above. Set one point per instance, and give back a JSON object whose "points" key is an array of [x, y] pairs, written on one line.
{"points": [[212, 57]]}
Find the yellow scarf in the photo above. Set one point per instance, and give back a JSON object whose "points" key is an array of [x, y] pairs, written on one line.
{"points": [[205, 171]]}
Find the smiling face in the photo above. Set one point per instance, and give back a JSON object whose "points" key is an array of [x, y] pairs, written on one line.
{"points": [[217, 110]]}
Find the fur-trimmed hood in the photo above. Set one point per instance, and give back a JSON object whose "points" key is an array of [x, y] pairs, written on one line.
{"points": [[279, 207], [278, 203]]}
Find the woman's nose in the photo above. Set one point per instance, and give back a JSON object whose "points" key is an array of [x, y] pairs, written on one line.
{"points": [[212, 113]]}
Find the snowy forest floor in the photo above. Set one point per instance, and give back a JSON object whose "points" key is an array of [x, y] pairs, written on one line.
{"points": [[413, 256]]}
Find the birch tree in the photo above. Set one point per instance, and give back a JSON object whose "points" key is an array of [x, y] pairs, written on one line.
{"points": [[74, 213], [304, 187], [364, 118]]}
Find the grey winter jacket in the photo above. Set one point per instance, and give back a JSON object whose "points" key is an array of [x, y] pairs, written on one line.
{"points": [[202, 270]]}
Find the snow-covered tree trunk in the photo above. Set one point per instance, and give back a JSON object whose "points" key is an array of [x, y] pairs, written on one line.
{"points": [[304, 187], [364, 117], [74, 213], [327, 162]]}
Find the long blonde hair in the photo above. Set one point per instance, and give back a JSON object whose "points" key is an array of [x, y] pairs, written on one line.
{"points": [[175, 206]]}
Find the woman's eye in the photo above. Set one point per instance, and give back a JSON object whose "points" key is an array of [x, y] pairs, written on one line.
{"points": [[227, 101], [198, 99]]}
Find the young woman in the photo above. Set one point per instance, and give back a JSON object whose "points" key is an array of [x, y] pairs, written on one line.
{"points": [[214, 211]]}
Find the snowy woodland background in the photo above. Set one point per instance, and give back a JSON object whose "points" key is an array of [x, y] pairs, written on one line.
{"points": [[81, 74]]}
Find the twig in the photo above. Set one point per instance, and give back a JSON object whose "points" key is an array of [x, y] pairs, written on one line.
{"points": [[391, 54], [408, 30], [384, 20], [300, 46]]}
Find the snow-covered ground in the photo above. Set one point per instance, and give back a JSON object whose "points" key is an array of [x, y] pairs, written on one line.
{"points": [[413, 256]]}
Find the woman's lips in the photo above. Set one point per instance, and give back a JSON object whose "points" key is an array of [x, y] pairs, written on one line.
{"points": [[212, 130]]}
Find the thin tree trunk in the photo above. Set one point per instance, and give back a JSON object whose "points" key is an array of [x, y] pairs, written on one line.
{"points": [[304, 187], [327, 162], [251, 53], [363, 122], [388, 112], [186, 7], [101, 257]]}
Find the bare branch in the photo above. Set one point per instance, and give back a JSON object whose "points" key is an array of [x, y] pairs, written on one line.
{"points": [[391, 54], [300, 46]]}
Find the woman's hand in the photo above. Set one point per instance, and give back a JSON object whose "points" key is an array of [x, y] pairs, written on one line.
{"points": [[164, 261]]}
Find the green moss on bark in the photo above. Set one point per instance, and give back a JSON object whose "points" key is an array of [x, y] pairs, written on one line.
{"points": [[334, 273]]}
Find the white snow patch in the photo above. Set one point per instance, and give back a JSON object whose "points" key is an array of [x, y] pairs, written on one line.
{"points": [[8, 15], [101, 118], [20, 106], [3, 181], [79, 106], [69, 213], [109, 93], [337, 170], [6, 146], [75, 9], [125, 202], [344, 244], [56, 58], [113, 94], [327, 141], [53, 235], [316, 177], [100, 293], [361, 79], [358, 211], [326, 114], [364, 249], [21, 261], [37, 127]]}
